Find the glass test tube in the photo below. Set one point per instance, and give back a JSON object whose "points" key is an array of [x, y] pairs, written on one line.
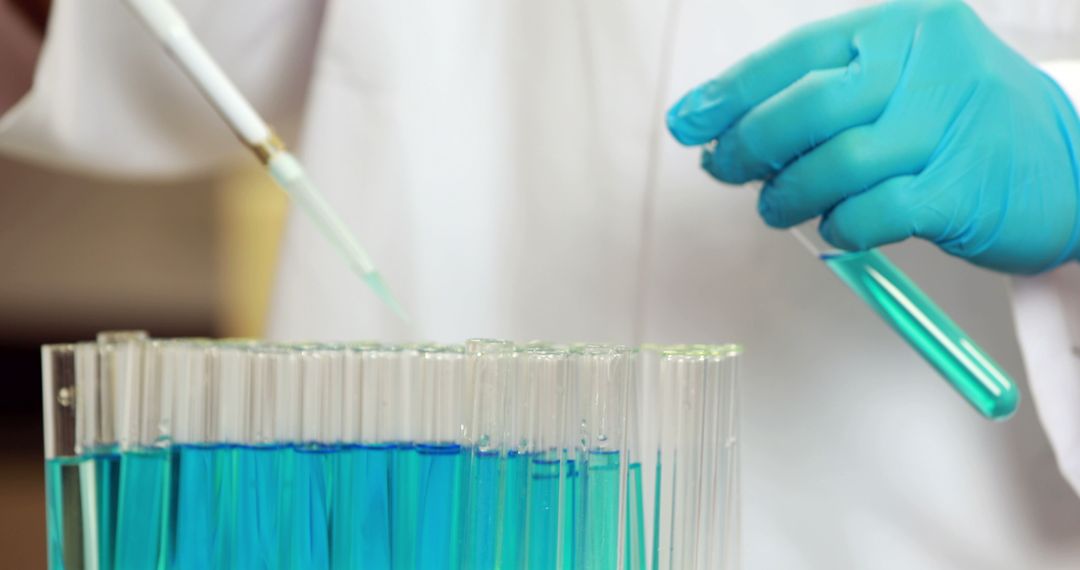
{"points": [[490, 365], [321, 455], [439, 457], [928, 329], [603, 379], [362, 523], [696, 473], [551, 491], [99, 454], [395, 376], [196, 455], [261, 465], [135, 369], [64, 499], [322, 380]]}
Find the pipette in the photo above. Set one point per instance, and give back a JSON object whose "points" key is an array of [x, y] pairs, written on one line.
{"points": [[170, 28], [927, 328]]}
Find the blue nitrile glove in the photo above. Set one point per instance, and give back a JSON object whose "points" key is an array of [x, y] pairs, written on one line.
{"points": [[904, 119]]}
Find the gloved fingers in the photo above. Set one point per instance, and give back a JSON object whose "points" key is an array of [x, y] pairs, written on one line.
{"points": [[845, 165], [708, 110], [890, 212], [794, 121], [814, 108]]}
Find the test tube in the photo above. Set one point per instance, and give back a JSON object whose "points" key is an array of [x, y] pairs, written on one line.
{"points": [[322, 380], [490, 366], [119, 356], [288, 390], [363, 522], [142, 528], [64, 491], [397, 416], [694, 433], [261, 462], [195, 421], [928, 329], [353, 398], [284, 487], [415, 456], [670, 388], [441, 381], [518, 408], [387, 414], [651, 402], [96, 443], [230, 385], [550, 495], [438, 459], [192, 397], [262, 401], [102, 366], [604, 376], [726, 538]]}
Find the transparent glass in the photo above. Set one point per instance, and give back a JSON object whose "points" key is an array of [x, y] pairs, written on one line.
{"points": [[923, 325], [552, 471], [191, 453], [489, 366], [440, 391], [65, 495], [929, 330], [689, 445]]}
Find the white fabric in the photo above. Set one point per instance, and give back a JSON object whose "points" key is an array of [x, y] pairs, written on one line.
{"points": [[1047, 313], [1047, 316], [492, 156], [106, 102], [1066, 74]]}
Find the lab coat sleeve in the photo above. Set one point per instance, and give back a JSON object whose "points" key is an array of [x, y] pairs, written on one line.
{"points": [[107, 101], [1046, 309]]}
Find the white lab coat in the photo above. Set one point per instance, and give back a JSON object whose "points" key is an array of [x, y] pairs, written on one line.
{"points": [[493, 157]]}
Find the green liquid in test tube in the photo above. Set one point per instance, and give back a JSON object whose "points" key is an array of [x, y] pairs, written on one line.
{"points": [[927, 328]]}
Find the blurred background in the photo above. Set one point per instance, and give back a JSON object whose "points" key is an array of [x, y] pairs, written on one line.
{"points": [[78, 256], [81, 255], [196, 257]]}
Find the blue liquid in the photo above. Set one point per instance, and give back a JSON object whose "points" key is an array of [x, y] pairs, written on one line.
{"points": [[104, 465], [438, 501], [482, 515], [404, 501], [64, 512], [260, 484], [414, 507], [308, 521], [929, 330], [80, 506], [142, 528], [197, 495], [231, 502], [601, 510], [226, 464], [515, 491], [361, 514], [548, 478]]}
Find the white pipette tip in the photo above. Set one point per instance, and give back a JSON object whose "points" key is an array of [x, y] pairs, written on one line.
{"points": [[375, 281]]}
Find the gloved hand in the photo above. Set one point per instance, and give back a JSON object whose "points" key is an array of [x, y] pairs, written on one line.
{"points": [[904, 119]]}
